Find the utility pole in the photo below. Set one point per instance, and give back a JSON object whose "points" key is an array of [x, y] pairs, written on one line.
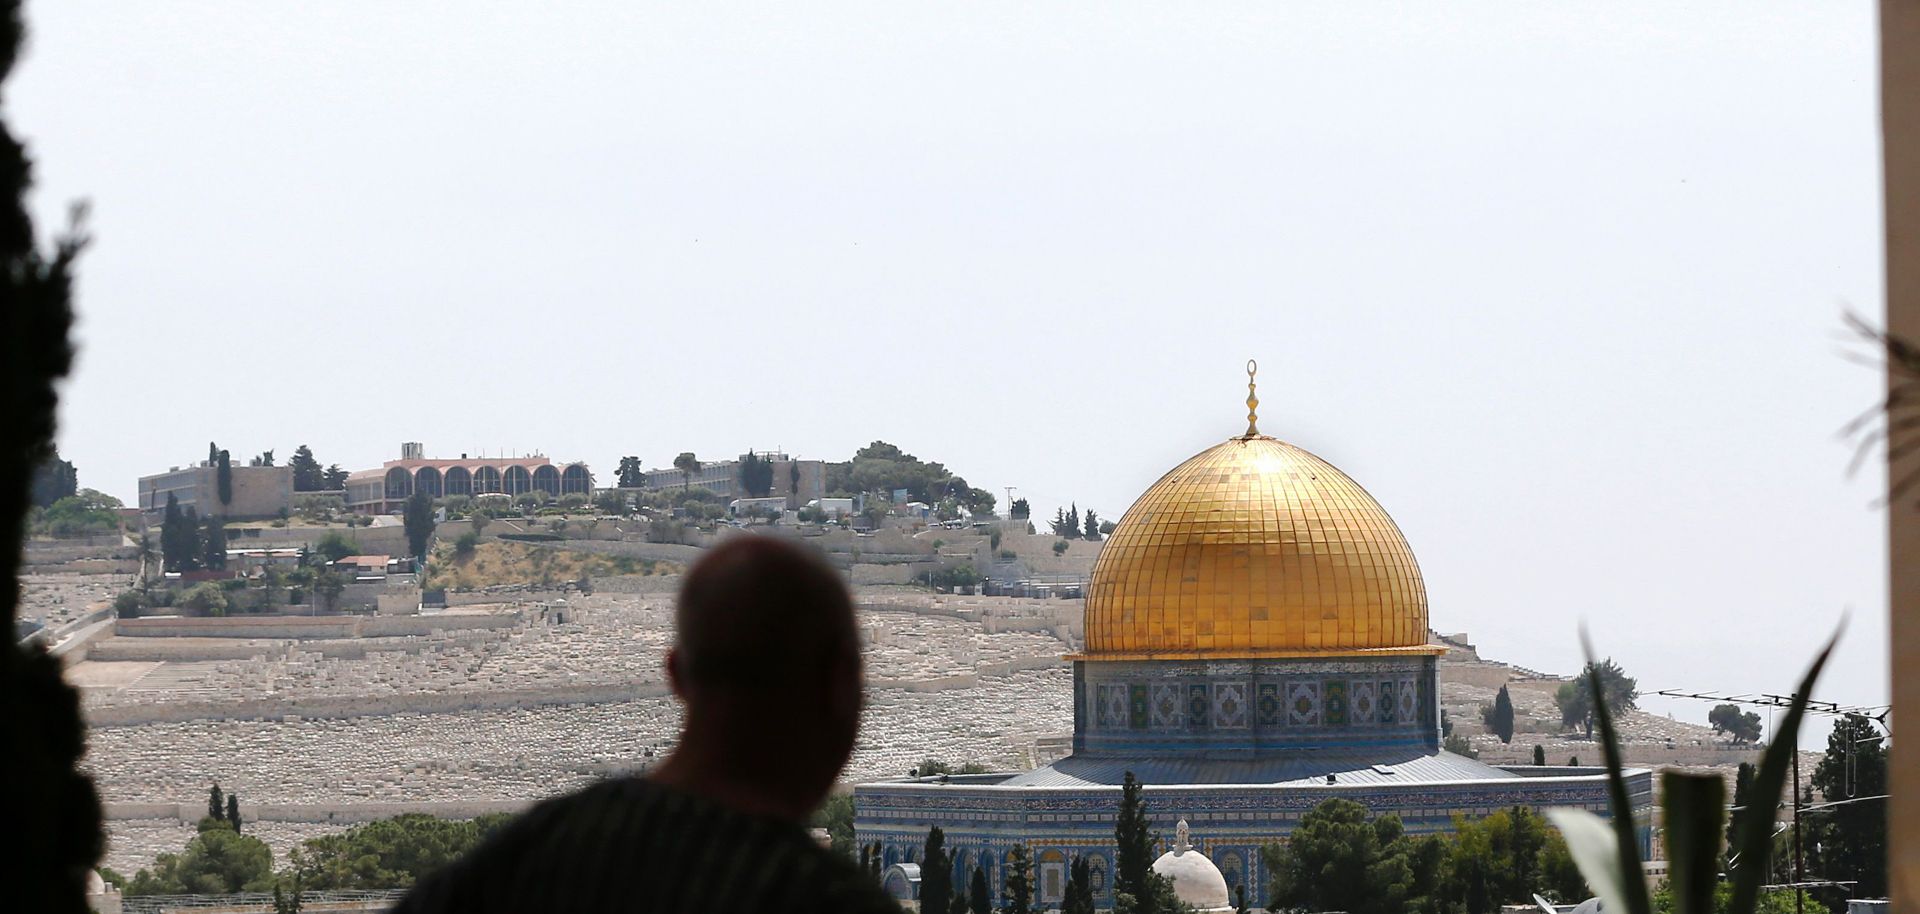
{"points": [[1010, 501], [1799, 861]]}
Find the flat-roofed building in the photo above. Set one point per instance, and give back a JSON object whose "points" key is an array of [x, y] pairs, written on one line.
{"points": [[255, 492]]}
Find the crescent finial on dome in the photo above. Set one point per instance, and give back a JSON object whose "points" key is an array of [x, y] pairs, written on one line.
{"points": [[1253, 402]]}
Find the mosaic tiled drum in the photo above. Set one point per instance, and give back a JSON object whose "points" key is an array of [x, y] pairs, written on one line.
{"points": [[1256, 643]]}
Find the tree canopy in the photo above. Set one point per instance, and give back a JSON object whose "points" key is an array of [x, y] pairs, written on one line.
{"points": [[389, 853], [307, 474], [1740, 726], [53, 479], [217, 861], [1622, 693], [630, 475], [85, 513], [884, 469]]}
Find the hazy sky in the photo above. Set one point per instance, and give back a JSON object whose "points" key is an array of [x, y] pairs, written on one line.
{"points": [[1561, 287]]}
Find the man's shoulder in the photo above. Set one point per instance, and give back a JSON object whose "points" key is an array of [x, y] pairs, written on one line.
{"points": [[653, 842]]}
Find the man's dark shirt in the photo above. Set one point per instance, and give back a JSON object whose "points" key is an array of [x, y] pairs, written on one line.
{"points": [[632, 845]]}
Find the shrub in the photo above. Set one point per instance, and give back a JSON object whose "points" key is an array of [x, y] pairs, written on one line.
{"points": [[129, 603], [467, 542], [207, 598], [1059, 547], [1008, 555]]}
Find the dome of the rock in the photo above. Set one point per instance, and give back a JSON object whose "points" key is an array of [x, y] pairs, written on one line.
{"points": [[1254, 548]]}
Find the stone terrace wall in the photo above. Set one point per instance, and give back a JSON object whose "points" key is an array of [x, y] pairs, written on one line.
{"points": [[374, 705], [316, 812]]}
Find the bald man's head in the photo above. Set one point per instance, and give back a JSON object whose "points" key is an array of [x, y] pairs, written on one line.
{"points": [[766, 658], [759, 612]]}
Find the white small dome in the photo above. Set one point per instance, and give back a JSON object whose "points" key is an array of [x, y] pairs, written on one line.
{"points": [[1196, 881]]}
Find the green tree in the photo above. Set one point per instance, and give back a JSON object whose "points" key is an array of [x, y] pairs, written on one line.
{"points": [[979, 900], [214, 544], [216, 802], [217, 861], [334, 479], [1019, 892], [334, 546], [1504, 858], [1078, 898], [836, 816], [289, 903], [327, 588], [85, 513], [389, 853], [1740, 726], [417, 517], [264, 460], [1341, 859], [58, 814], [1622, 693], [233, 811], [223, 477], [1539, 755], [1020, 510], [1458, 745], [688, 465], [1060, 547], [307, 475], [1091, 527], [936, 873], [1849, 841], [53, 479], [630, 475], [756, 475], [206, 598], [1742, 795], [179, 538], [1499, 715], [1133, 836]]}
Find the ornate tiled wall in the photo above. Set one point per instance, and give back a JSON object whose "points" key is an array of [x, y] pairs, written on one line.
{"points": [[1230, 823], [1254, 706]]}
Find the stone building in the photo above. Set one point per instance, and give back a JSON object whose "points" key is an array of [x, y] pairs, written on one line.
{"points": [[1256, 644], [385, 490], [798, 481], [257, 492]]}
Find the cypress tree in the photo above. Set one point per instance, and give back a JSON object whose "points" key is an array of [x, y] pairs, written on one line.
{"points": [[216, 803], [978, 900], [1539, 755], [1503, 715], [936, 874], [1133, 863], [1019, 897], [233, 811], [1079, 894], [214, 544], [1742, 795], [59, 815], [224, 478]]}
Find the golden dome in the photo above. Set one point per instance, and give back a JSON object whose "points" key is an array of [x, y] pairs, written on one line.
{"points": [[1254, 548]]}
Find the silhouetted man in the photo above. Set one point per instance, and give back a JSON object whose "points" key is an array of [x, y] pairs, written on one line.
{"points": [[766, 660]]}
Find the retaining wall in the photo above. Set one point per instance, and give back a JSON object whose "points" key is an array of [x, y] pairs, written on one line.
{"points": [[447, 702]]}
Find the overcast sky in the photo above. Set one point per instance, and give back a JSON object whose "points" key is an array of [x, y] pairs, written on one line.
{"points": [[1562, 288]]}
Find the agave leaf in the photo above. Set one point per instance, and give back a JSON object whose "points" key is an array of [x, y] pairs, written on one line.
{"points": [[1693, 806], [1753, 839], [1634, 897], [1590, 841]]}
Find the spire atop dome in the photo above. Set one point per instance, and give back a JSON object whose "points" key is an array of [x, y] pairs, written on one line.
{"points": [[1253, 402]]}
